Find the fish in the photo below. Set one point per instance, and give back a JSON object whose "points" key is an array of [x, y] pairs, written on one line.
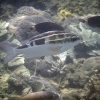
{"points": [[94, 21], [48, 26], [45, 44], [41, 95]]}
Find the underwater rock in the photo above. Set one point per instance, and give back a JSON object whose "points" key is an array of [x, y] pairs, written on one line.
{"points": [[91, 64], [68, 60], [24, 21], [79, 75], [39, 84], [74, 75], [3, 82], [23, 28], [91, 44], [47, 67], [17, 80], [3, 30], [21, 70], [92, 88], [28, 11], [26, 90], [16, 62], [71, 96], [88, 67], [26, 84], [16, 83]]}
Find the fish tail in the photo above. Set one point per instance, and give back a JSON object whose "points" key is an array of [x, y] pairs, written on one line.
{"points": [[10, 50]]}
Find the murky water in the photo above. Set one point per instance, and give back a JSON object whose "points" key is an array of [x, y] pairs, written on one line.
{"points": [[70, 74]]}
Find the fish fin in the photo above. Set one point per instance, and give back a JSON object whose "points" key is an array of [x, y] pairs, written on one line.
{"points": [[10, 49]]}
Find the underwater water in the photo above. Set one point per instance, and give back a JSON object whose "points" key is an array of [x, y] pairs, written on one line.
{"points": [[49, 50]]}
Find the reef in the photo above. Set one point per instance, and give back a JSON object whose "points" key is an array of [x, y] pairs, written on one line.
{"points": [[93, 87], [3, 30], [74, 74], [62, 14]]}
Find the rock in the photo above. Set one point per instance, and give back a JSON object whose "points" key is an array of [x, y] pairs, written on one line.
{"points": [[37, 86], [40, 84], [3, 30], [26, 18], [17, 61], [3, 81], [26, 90], [91, 64], [70, 94], [90, 45], [47, 67], [28, 11], [92, 88], [21, 70]]}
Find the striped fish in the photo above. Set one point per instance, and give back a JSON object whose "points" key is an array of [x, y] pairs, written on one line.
{"points": [[45, 44]]}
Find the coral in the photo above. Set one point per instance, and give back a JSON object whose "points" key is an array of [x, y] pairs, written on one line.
{"points": [[62, 14]]}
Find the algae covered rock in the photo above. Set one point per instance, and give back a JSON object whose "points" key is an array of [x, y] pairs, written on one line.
{"points": [[40, 84], [3, 81], [92, 88], [3, 30], [91, 64], [37, 86]]}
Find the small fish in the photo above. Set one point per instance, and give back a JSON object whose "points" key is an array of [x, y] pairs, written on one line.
{"points": [[42, 95], [48, 26], [94, 21], [45, 44]]}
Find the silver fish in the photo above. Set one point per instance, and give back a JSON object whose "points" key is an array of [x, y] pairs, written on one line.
{"points": [[45, 44]]}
